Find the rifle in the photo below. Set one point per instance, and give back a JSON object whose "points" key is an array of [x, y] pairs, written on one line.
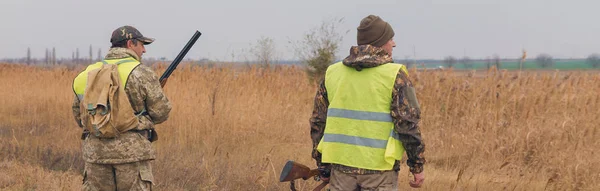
{"points": [[184, 51], [151, 134], [293, 170]]}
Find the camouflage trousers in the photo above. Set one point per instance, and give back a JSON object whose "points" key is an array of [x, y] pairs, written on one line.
{"points": [[340, 181], [120, 177]]}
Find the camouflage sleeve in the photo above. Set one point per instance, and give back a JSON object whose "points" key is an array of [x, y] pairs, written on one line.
{"points": [[406, 115], [76, 111], [156, 103], [317, 120]]}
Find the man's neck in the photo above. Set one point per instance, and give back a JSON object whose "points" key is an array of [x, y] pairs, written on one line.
{"points": [[118, 53]]}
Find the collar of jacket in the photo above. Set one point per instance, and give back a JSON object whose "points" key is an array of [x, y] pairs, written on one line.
{"points": [[118, 53], [366, 56]]}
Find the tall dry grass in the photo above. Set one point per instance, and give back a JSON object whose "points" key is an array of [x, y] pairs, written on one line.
{"points": [[233, 129]]}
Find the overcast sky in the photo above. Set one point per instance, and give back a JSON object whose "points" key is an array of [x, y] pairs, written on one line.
{"points": [[436, 28]]}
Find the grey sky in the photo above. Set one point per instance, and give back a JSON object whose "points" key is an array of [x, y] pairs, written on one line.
{"points": [[437, 28]]}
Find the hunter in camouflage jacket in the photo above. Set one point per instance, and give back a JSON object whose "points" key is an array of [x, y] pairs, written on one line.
{"points": [[145, 94]]}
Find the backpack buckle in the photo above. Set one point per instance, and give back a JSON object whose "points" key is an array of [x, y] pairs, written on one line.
{"points": [[97, 130], [91, 110]]}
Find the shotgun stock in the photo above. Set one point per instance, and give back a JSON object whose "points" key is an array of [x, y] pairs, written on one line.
{"points": [[293, 171]]}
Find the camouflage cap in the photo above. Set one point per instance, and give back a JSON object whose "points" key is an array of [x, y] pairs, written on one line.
{"points": [[127, 33]]}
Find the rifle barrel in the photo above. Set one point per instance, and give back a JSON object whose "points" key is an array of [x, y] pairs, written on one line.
{"points": [[180, 56]]}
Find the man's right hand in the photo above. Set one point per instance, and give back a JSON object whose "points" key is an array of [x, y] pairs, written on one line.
{"points": [[324, 173], [163, 82], [418, 181]]}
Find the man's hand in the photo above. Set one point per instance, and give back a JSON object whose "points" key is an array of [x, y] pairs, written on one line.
{"points": [[418, 181], [324, 173], [163, 82]]}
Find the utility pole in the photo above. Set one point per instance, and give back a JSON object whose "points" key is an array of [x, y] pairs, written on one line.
{"points": [[414, 56], [77, 56], [47, 58], [91, 55], [54, 55], [28, 56], [99, 54]]}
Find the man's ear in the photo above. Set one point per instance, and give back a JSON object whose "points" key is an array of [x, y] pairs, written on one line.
{"points": [[129, 43]]}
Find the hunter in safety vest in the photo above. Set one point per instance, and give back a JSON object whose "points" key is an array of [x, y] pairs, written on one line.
{"points": [[359, 131]]}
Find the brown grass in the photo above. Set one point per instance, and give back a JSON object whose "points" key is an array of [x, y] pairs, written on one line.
{"points": [[233, 129]]}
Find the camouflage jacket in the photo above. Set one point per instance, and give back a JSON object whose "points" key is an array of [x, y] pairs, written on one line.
{"points": [[144, 93], [405, 118]]}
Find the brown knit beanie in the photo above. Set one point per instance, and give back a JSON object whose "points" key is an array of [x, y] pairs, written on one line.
{"points": [[374, 31]]}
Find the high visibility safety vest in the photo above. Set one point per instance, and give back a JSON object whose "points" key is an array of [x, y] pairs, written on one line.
{"points": [[124, 66], [359, 131]]}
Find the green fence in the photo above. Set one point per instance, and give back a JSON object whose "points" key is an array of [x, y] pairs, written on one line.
{"points": [[514, 65]]}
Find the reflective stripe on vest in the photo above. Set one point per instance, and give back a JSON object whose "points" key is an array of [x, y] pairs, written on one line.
{"points": [[361, 141], [125, 67], [359, 131], [359, 115]]}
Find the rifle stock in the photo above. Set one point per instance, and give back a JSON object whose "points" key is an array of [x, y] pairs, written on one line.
{"points": [[293, 171], [180, 56]]}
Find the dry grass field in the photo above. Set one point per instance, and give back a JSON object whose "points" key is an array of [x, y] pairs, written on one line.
{"points": [[233, 130]]}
